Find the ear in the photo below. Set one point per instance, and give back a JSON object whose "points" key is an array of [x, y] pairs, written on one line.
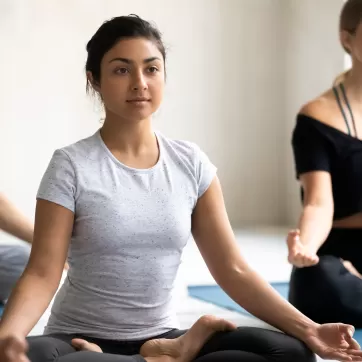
{"points": [[346, 40], [94, 84]]}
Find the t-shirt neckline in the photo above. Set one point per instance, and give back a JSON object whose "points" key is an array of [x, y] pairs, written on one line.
{"points": [[132, 169]]}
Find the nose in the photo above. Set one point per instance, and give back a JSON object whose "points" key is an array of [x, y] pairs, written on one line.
{"points": [[139, 82]]}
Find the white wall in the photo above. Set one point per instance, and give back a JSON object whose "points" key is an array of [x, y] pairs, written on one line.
{"points": [[224, 83], [314, 58], [238, 71]]}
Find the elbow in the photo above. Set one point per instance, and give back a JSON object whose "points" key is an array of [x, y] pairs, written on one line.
{"points": [[48, 275], [227, 274], [326, 206], [323, 212]]}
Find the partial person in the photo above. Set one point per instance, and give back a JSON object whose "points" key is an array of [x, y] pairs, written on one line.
{"points": [[326, 247], [125, 201], [13, 257]]}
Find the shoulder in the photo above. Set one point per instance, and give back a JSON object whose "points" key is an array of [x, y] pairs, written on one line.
{"points": [[315, 107], [183, 149], [78, 151], [322, 109], [189, 157]]}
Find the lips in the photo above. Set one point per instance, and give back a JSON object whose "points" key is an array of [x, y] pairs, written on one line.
{"points": [[138, 100]]}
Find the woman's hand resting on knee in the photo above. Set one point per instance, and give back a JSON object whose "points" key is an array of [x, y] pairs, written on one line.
{"points": [[298, 254], [13, 349]]}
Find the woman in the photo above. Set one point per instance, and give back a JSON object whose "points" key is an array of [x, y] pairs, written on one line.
{"points": [[326, 249], [125, 201]]}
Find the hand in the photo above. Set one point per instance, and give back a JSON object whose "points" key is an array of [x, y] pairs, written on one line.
{"points": [[334, 341], [350, 267], [299, 255], [13, 349]]}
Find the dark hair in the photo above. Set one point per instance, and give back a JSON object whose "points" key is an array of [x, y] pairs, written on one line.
{"points": [[113, 30], [351, 17]]}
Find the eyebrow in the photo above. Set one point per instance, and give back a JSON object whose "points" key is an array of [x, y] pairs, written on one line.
{"points": [[129, 61]]}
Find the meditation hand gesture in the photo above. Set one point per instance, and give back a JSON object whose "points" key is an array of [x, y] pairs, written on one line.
{"points": [[298, 253], [334, 341], [13, 349]]}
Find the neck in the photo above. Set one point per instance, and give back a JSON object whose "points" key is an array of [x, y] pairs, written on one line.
{"points": [[353, 84], [128, 137]]}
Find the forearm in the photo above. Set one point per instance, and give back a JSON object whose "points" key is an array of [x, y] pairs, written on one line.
{"points": [[315, 224], [27, 303], [14, 222], [254, 294]]}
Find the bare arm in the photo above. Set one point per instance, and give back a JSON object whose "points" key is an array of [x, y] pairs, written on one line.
{"points": [[14, 222], [40, 280], [215, 239], [317, 216]]}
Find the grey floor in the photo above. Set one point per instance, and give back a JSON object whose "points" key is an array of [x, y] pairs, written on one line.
{"points": [[264, 249]]}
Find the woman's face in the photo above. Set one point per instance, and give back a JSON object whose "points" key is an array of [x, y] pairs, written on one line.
{"points": [[352, 42], [132, 79]]}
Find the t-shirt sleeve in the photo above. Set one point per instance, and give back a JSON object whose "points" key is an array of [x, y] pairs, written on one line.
{"points": [[311, 149], [206, 172], [58, 184]]}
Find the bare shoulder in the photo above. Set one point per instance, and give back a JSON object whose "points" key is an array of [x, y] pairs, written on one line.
{"points": [[324, 108]]}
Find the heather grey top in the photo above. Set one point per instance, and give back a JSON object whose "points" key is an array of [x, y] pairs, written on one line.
{"points": [[130, 228]]}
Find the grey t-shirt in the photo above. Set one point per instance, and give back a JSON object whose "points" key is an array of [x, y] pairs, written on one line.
{"points": [[130, 228]]}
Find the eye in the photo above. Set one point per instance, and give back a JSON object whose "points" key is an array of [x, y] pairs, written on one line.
{"points": [[121, 71], [153, 69]]}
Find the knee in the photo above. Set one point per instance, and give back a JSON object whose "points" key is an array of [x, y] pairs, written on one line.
{"points": [[314, 277], [47, 349]]}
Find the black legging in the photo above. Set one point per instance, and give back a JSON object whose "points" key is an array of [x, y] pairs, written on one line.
{"points": [[327, 292], [245, 344]]}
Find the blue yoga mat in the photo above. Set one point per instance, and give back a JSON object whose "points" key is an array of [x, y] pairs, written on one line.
{"points": [[215, 295]]}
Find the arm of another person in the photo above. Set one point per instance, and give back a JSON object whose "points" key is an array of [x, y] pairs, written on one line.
{"points": [[312, 155], [13, 222], [317, 215], [40, 280], [54, 219]]}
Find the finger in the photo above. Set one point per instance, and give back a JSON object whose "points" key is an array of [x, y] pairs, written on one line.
{"points": [[355, 358], [294, 231], [338, 356], [354, 352], [352, 344], [293, 252], [301, 260], [316, 259], [297, 260], [347, 330], [310, 260], [292, 239], [307, 260]]}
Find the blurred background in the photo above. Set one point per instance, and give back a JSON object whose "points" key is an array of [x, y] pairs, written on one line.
{"points": [[238, 71]]}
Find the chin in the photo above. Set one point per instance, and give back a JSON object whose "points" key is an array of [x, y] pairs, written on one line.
{"points": [[137, 116]]}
